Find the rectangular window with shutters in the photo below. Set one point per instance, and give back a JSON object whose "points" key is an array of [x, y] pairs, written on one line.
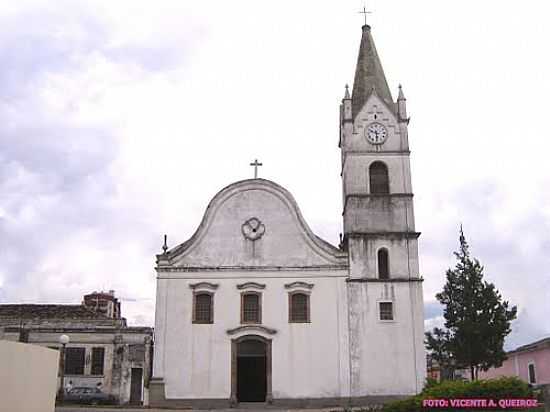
{"points": [[74, 361], [251, 308], [298, 304], [386, 310], [203, 307], [98, 358], [532, 376]]}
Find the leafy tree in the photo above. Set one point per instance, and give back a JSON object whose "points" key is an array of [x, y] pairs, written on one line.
{"points": [[476, 317], [437, 343]]}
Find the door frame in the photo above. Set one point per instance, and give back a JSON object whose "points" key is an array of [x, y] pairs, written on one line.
{"points": [[140, 400], [234, 343]]}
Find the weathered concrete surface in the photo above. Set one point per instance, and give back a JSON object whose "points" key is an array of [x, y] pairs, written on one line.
{"points": [[124, 347]]}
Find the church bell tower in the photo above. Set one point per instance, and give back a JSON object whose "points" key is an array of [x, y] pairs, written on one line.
{"points": [[376, 178], [385, 288]]}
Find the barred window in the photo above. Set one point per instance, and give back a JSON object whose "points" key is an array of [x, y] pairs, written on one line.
{"points": [[383, 264], [203, 311], [250, 308], [98, 358], [74, 361], [379, 180], [299, 308], [532, 376], [386, 311]]}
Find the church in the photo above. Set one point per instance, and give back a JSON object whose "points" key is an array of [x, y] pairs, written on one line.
{"points": [[255, 307]]}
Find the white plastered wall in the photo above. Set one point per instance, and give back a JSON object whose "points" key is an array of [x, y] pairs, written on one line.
{"points": [[309, 360]]}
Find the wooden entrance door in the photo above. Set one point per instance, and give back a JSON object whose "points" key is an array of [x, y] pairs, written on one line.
{"points": [[251, 370], [136, 384]]}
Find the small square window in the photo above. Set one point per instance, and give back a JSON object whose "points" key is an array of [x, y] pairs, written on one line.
{"points": [[386, 311]]}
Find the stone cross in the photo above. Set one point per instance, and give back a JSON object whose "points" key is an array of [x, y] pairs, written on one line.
{"points": [[365, 12], [256, 164]]}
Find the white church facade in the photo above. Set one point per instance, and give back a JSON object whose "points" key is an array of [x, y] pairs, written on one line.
{"points": [[254, 307]]}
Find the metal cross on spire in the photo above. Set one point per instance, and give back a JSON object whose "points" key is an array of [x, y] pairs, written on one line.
{"points": [[256, 164], [365, 12]]}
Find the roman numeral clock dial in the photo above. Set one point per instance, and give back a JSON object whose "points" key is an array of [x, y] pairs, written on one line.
{"points": [[376, 133]]}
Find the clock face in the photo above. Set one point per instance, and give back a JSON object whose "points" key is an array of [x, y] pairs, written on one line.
{"points": [[376, 133]]}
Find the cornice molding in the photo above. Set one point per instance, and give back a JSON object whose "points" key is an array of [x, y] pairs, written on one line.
{"points": [[299, 285], [250, 285], [251, 268], [390, 280], [248, 328], [386, 235], [204, 285]]}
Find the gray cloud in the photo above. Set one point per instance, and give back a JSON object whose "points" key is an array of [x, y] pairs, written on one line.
{"points": [[56, 179]]}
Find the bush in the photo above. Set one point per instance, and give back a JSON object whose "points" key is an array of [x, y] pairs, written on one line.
{"points": [[507, 387]]}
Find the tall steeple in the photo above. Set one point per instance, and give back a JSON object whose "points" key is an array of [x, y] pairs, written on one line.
{"points": [[369, 74], [379, 234]]}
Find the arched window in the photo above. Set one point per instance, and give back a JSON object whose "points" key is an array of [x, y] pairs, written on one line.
{"points": [[202, 310], [383, 264], [251, 311], [378, 177], [298, 308]]}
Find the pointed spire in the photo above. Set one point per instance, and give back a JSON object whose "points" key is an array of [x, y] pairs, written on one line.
{"points": [[369, 75], [402, 106], [346, 95], [401, 94]]}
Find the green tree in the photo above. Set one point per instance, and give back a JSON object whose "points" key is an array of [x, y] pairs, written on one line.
{"points": [[437, 343], [476, 318]]}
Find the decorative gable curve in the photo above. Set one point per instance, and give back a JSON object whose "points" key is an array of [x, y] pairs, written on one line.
{"points": [[219, 240]]}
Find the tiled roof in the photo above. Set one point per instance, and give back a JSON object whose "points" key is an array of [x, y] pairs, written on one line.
{"points": [[534, 345], [31, 311], [369, 75]]}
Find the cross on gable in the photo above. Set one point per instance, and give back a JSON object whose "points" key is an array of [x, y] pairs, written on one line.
{"points": [[256, 164], [365, 12]]}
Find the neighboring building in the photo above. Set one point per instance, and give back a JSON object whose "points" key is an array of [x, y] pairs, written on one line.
{"points": [[439, 373], [256, 307], [102, 349], [105, 303], [433, 370], [530, 363]]}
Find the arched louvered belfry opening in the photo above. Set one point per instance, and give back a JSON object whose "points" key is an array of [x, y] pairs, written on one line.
{"points": [[378, 178], [383, 264]]}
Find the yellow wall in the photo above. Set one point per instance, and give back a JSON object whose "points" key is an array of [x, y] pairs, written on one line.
{"points": [[29, 377]]}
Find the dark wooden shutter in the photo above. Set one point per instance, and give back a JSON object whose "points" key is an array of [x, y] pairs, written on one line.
{"points": [[383, 264], [379, 180], [98, 358], [251, 308], [532, 376], [386, 311], [203, 308], [299, 308], [74, 361]]}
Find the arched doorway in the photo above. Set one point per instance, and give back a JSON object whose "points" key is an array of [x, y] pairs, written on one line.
{"points": [[251, 369]]}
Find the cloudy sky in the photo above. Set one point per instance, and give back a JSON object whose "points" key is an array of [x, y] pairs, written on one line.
{"points": [[119, 121]]}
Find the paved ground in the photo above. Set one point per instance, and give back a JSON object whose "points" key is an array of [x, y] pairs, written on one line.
{"points": [[122, 409]]}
